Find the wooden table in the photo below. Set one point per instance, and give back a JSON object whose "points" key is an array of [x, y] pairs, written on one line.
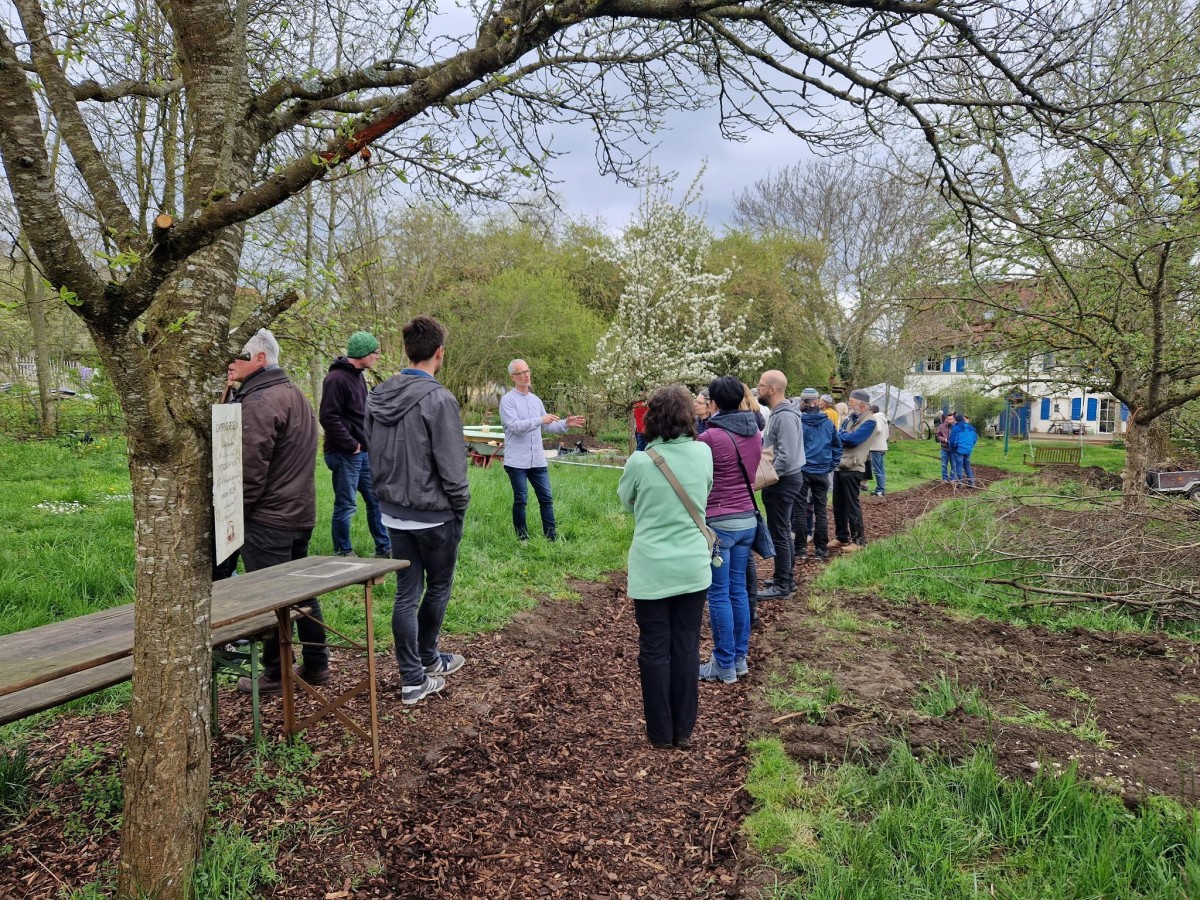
{"points": [[53, 663]]}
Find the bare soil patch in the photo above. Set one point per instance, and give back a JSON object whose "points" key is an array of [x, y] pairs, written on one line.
{"points": [[530, 776]]}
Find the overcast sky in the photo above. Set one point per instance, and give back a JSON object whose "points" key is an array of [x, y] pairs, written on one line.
{"points": [[684, 145]]}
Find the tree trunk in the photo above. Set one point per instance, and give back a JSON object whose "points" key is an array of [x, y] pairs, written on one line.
{"points": [[1138, 458], [35, 305], [167, 754]]}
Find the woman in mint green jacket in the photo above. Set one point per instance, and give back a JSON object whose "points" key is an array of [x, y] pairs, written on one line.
{"points": [[669, 565]]}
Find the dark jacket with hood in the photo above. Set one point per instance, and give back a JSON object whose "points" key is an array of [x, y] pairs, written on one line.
{"points": [[418, 458], [725, 431], [822, 443], [279, 452], [344, 407]]}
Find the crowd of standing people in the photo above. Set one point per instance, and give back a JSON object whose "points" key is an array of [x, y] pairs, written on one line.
{"points": [[713, 452], [691, 488]]}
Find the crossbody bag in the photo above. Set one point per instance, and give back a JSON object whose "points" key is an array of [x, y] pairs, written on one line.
{"points": [[710, 536]]}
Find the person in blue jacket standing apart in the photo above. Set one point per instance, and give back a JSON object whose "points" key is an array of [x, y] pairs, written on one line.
{"points": [[962, 441]]}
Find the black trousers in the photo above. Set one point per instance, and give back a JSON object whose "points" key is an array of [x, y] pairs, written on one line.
{"points": [[847, 511], [669, 663], [266, 546], [815, 492], [779, 499]]}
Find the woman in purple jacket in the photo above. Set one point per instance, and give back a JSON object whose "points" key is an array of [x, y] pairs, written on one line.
{"points": [[736, 446]]}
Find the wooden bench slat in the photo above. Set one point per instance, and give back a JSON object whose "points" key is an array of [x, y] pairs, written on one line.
{"points": [[41, 697], [61, 649]]}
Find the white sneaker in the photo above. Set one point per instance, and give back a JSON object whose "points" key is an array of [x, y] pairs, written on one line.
{"points": [[418, 692]]}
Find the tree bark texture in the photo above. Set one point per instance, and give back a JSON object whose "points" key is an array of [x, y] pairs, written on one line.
{"points": [[35, 305]]}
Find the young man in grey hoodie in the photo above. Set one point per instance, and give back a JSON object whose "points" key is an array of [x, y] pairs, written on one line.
{"points": [[785, 437], [415, 441]]}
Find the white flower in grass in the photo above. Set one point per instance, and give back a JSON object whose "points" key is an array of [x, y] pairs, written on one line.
{"points": [[60, 507]]}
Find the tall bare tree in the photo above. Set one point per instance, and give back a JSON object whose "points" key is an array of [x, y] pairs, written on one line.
{"points": [[243, 120], [871, 221]]}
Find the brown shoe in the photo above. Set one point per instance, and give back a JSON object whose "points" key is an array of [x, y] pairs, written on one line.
{"points": [[266, 685], [852, 547], [833, 544], [320, 676]]}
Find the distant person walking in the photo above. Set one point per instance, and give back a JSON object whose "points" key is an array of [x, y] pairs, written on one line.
{"points": [[524, 419], [670, 568], [415, 436], [343, 409], [962, 442], [279, 493], [879, 447], [942, 433]]}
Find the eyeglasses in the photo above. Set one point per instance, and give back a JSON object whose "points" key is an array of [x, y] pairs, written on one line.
{"points": [[521, 372], [244, 357]]}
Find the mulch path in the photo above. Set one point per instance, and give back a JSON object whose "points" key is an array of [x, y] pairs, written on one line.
{"points": [[530, 775]]}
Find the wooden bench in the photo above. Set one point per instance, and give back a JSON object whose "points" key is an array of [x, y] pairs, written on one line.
{"points": [[50, 664], [1055, 456]]}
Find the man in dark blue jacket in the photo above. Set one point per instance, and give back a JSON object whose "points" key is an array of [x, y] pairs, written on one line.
{"points": [[822, 453]]}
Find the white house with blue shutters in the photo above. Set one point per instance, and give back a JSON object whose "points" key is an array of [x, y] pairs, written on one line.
{"points": [[1049, 406]]}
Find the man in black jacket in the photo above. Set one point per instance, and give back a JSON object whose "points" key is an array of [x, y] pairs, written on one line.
{"points": [[343, 408], [415, 439], [279, 491]]}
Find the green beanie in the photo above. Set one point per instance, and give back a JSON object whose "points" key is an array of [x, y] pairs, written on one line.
{"points": [[361, 343]]}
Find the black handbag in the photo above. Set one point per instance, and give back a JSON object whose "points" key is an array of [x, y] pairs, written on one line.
{"points": [[763, 545]]}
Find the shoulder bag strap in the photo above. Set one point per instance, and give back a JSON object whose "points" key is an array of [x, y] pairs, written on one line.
{"points": [[679, 491], [742, 466]]}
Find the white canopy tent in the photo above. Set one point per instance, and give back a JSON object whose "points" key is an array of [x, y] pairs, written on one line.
{"points": [[904, 409]]}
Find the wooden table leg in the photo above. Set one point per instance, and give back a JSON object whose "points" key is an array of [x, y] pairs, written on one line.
{"points": [[371, 676], [285, 669]]}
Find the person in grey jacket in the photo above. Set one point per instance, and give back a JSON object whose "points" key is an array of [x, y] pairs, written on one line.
{"points": [[784, 436], [415, 441]]}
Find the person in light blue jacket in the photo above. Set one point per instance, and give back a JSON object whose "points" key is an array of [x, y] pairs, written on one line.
{"points": [[669, 564]]}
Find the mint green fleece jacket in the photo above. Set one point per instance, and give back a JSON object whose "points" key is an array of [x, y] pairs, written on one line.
{"points": [[668, 555]]}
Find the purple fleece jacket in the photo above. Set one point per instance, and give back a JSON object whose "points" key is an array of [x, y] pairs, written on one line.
{"points": [[729, 494]]}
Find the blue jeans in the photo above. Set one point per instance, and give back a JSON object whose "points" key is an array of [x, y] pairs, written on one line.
{"points": [[728, 604], [962, 467], [417, 621], [947, 464], [877, 471], [352, 475], [540, 479]]}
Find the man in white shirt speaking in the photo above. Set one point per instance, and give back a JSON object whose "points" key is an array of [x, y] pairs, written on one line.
{"points": [[524, 419]]}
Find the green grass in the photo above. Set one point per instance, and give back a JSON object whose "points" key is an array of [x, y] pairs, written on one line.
{"points": [[944, 559], [938, 830], [944, 695], [802, 690]]}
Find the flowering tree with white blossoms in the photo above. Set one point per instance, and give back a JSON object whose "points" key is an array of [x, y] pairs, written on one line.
{"points": [[669, 325]]}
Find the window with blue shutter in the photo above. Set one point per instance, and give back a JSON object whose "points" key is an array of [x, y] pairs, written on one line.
{"points": [[945, 364], [1124, 413], [1045, 414], [1076, 408], [1091, 417], [960, 364]]}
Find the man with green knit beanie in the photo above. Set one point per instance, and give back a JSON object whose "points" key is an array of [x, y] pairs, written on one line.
{"points": [[343, 408]]}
